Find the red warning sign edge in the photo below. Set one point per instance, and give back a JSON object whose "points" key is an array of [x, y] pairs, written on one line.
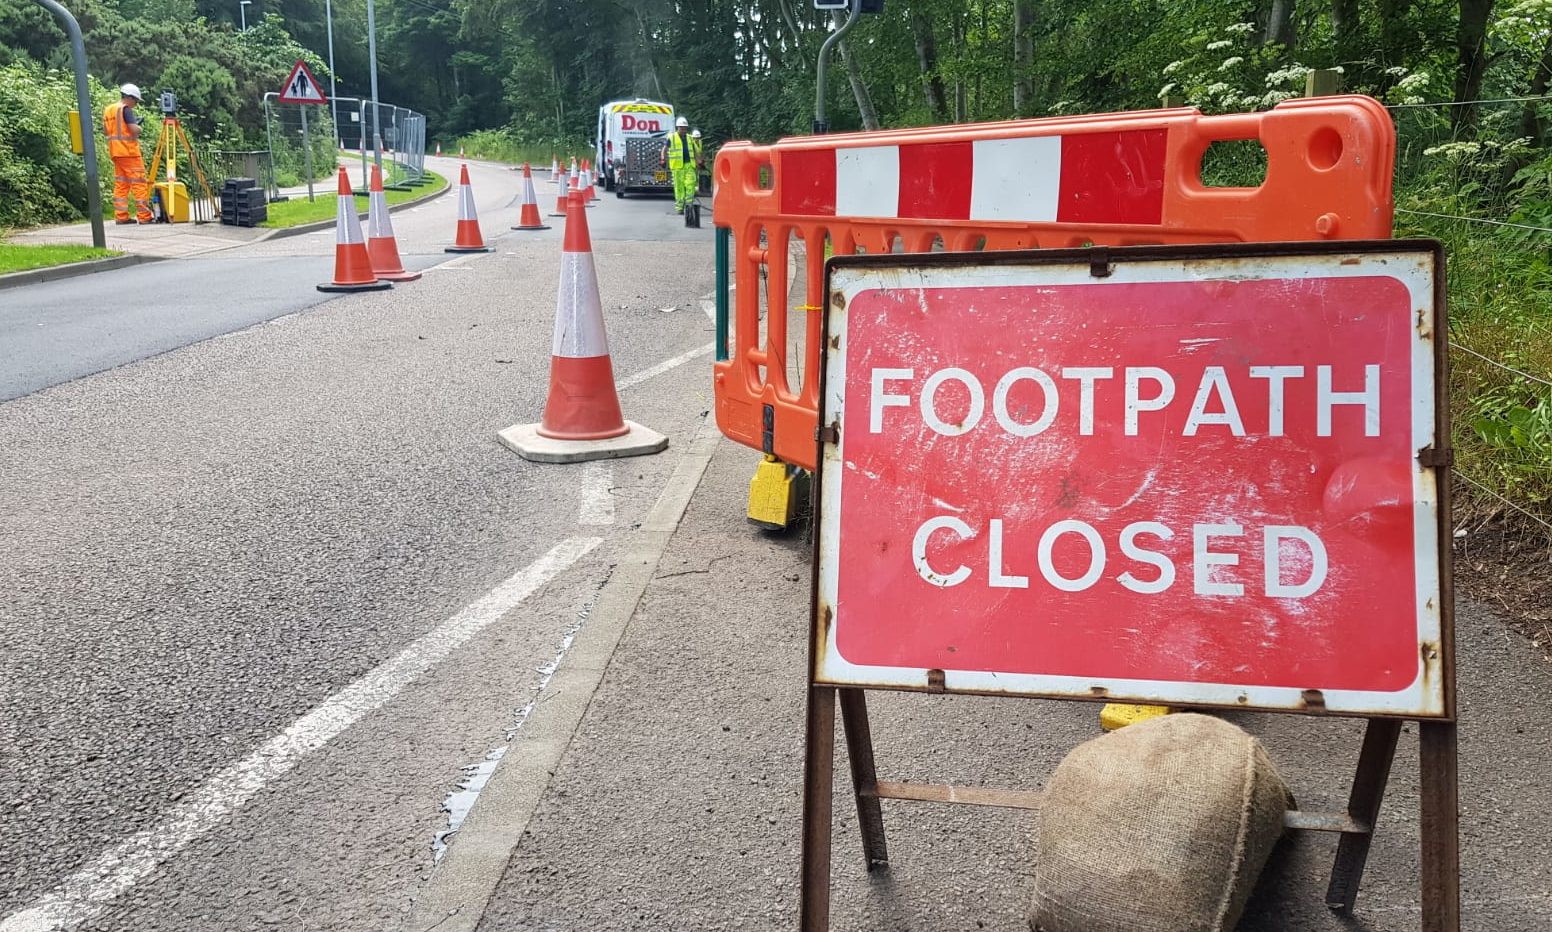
{"points": [[301, 68]]}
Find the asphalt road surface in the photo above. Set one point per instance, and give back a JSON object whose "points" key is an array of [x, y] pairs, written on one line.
{"points": [[57, 331], [271, 582]]}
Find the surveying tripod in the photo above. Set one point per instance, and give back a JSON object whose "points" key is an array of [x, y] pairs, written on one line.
{"points": [[167, 147]]}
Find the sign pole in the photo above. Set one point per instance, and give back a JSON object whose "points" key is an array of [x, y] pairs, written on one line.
{"points": [[83, 96], [307, 154], [822, 67]]}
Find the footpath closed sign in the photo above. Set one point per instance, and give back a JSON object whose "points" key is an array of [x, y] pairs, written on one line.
{"points": [[1184, 475]]}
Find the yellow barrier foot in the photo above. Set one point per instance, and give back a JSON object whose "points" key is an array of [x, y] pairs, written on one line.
{"points": [[1120, 714], [775, 494]]}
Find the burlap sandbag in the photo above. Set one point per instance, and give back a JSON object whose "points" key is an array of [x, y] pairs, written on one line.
{"points": [[1162, 826]]}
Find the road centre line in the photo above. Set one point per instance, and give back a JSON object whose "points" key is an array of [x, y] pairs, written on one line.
{"points": [[114, 872], [597, 508], [662, 367]]}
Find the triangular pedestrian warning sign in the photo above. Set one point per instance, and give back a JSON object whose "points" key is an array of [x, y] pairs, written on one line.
{"points": [[302, 87]]}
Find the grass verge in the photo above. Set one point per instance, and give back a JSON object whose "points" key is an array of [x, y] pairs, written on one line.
{"points": [[16, 257], [298, 211]]}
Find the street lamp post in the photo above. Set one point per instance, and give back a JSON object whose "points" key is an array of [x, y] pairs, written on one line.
{"points": [[371, 48], [242, 8], [328, 16], [83, 97]]}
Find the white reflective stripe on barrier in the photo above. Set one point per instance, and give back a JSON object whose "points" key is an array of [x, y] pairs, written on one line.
{"points": [[579, 313], [1016, 179], [867, 181]]}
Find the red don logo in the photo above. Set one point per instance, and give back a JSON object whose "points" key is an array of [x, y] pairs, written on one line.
{"points": [[630, 124]]}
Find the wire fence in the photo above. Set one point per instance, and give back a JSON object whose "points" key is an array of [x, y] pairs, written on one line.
{"points": [[306, 144]]}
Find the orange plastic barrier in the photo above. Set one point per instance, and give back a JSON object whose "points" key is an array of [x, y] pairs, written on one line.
{"points": [[1115, 179]]}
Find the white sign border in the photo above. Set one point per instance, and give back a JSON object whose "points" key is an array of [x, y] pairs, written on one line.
{"points": [[1413, 267]]}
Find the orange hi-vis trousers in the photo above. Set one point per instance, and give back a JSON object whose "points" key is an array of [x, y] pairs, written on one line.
{"points": [[129, 180]]}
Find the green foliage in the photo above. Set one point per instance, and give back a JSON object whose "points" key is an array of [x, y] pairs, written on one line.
{"points": [[41, 180]]}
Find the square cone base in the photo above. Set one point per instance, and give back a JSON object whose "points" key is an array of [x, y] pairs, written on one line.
{"points": [[525, 440], [469, 249], [398, 276], [378, 285], [539, 227]]}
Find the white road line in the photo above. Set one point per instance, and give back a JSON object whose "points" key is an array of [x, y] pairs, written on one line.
{"points": [[597, 500], [657, 370], [114, 872]]}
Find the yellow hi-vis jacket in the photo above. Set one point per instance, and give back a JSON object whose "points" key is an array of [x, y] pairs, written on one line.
{"points": [[683, 150], [121, 144]]}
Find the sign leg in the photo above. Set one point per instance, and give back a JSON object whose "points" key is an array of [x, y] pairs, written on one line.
{"points": [[864, 777], [1363, 807], [818, 785], [1440, 827]]}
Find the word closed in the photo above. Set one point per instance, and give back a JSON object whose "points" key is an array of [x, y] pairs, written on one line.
{"points": [[1190, 480]]}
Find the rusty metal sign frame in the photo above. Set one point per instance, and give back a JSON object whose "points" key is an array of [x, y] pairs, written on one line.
{"points": [[1439, 823]]}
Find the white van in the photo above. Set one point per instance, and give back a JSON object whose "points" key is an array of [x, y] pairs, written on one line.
{"points": [[625, 120]]}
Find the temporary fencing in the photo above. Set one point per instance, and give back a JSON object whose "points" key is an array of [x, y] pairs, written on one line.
{"points": [[1113, 179], [344, 124]]}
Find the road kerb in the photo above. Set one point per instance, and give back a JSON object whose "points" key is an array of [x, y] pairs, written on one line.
{"points": [[456, 896], [56, 273]]}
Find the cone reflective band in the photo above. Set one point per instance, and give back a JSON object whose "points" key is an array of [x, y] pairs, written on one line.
{"points": [[380, 243], [469, 238], [352, 265], [529, 218], [583, 404], [560, 199]]}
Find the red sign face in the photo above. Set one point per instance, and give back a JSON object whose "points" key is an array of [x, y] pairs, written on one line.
{"points": [[1173, 483]]}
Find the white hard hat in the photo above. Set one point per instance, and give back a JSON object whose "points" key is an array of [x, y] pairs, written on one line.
{"points": [[131, 90], [681, 123], [695, 134]]}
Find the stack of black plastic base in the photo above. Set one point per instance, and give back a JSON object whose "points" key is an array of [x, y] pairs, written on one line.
{"points": [[243, 203]]}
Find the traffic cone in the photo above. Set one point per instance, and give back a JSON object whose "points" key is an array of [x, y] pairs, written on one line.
{"points": [[582, 419], [554, 165], [439, 150], [380, 244], [460, 150], [529, 219], [560, 199], [592, 184], [352, 265], [469, 238]]}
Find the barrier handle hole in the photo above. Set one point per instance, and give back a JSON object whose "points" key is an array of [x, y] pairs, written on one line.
{"points": [[1233, 163], [1325, 149]]}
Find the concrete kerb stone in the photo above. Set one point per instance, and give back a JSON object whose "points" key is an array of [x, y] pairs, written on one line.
{"points": [[317, 225], [456, 896], [56, 273]]}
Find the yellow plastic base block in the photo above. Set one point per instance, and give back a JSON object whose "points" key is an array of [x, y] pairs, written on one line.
{"points": [[175, 200], [773, 494], [1120, 714]]}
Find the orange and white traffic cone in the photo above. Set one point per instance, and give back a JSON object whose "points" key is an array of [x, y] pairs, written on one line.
{"points": [[469, 238], [560, 199], [582, 419], [554, 165], [529, 218], [439, 150], [380, 244], [352, 265], [591, 188]]}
